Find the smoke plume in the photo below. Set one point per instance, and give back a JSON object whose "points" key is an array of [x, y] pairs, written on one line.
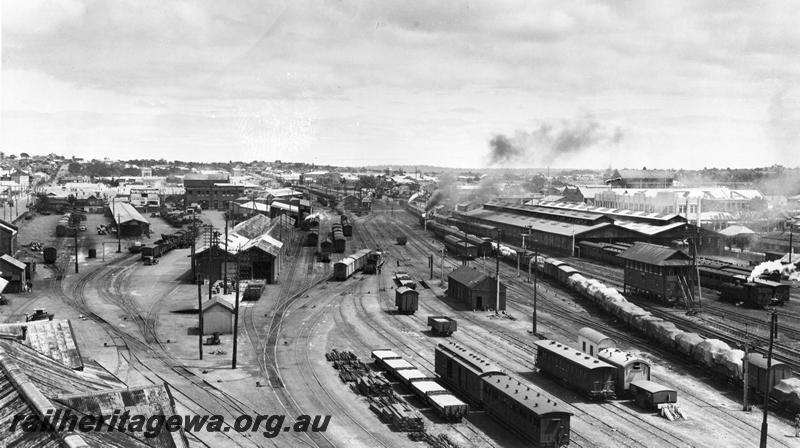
{"points": [[787, 271], [445, 190], [547, 142]]}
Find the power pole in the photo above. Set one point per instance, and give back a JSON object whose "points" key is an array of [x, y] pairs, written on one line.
{"points": [[236, 315], [746, 372], [466, 251], [200, 314], [210, 259], [194, 240], [75, 226], [535, 290], [225, 259], [497, 275], [119, 236], [443, 251], [773, 330]]}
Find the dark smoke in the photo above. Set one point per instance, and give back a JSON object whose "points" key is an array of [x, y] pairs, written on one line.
{"points": [[436, 198], [445, 190], [548, 142]]}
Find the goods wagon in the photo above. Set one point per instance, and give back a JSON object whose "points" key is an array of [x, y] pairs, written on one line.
{"points": [[339, 243], [326, 246], [406, 300], [311, 239], [459, 248], [253, 290], [521, 407], [629, 368], [584, 373], [402, 278], [760, 381], [374, 262], [344, 268], [442, 325], [648, 395], [347, 227], [49, 254], [749, 293], [441, 400]]}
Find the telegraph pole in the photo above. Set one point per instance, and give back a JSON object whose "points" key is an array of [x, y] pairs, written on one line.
{"points": [[75, 226], [746, 371], [443, 251], [225, 259], [535, 291], [236, 314], [211, 235], [200, 314], [119, 235], [497, 274], [773, 329]]}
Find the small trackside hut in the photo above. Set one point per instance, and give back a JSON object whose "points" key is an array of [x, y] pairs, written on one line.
{"points": [[474, 289]]}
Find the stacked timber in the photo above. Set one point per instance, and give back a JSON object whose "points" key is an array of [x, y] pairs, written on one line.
{"points": [[399, 415]]}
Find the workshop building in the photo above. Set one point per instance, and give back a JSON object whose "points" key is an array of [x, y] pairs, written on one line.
{"points": [[476, 290]]}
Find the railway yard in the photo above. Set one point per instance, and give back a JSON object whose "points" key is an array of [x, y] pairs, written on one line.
{"points": [[137, 320]]}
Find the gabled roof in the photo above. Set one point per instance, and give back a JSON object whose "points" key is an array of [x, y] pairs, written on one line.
{"points": [[13, 261], [735, 230], [467, 276], [217, 300], [251, 228], [655, 255], [125, 213], [52, 338], [8, 227]]}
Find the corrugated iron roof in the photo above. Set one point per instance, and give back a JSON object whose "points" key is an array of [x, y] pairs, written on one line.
{"points": [[13, 261], [124, 213], [467, 276], [654, 254], [217, 300], [54, 339]]}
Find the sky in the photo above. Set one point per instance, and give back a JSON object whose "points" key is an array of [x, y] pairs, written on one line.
{"points": [[584, 84]]}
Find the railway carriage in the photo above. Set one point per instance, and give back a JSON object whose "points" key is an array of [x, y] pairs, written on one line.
{"points": [[462, 370], [585, 373], [458, 248], [526, 410], [628, 367], [649, 395]]}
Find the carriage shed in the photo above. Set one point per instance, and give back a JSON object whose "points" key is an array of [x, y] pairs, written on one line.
{"points": [[259, 258], [757, 368], [655, 269], [129, 221], [476, 290], [462, 370], [217, 316], [592, 341]]}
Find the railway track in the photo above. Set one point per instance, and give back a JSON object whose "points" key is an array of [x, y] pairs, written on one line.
{"points": [[554, 306]]}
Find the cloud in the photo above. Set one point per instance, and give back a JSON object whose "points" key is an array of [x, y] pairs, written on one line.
{"points": [[426, 81]]}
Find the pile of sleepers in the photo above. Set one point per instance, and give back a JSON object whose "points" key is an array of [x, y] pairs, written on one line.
{"points": [[440, 441], [397, 413], [350, 368]]}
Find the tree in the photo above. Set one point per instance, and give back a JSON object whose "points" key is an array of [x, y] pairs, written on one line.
{"points": [[24, 155], [74, 168]]}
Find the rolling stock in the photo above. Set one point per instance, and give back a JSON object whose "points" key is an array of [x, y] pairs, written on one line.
{"points": [[520, 406], [346, 267], [459, 248], [428, 389], [587, 374]]}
